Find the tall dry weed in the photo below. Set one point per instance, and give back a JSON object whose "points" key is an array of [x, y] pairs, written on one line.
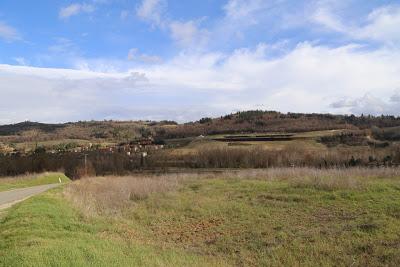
{"points": [[111, 195]]}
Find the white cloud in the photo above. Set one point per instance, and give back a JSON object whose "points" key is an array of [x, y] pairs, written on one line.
{"points": [[188, 33], [75, 9], [325, 17], [8, 33], [152, 11], [184, 33], [244, 9], [308, 78], [368, 104], [61, 95], [381, 24], [241, 17], [21, 61], [134, 55]]}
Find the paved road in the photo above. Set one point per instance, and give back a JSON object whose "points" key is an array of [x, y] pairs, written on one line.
{"points": [[8, 198]]}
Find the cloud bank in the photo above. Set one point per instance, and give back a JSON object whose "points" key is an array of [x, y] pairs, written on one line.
{"points": [[309, 78]]}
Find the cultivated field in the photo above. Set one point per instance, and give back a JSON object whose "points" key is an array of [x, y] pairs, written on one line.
{"points": [[275, 217], [307, 140]]}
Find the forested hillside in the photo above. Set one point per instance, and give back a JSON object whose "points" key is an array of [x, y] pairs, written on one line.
{"points": [[240, 122]]}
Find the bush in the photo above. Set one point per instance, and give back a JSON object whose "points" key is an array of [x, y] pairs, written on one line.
{"points": [[205, 120]]}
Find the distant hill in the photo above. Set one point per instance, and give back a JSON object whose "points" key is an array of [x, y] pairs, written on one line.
{"points": [[271, 121], [240, 122], [92, 130], [17, 128]]}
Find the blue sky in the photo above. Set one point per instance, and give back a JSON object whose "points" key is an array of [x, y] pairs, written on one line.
{"points": [[97, 29], [183, 60]]}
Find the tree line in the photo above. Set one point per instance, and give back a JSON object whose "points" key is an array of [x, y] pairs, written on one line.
{"points": [[105, 163]]}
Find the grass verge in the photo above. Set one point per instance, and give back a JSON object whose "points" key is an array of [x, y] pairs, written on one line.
{"points": [[46, 231], [10, 183]]}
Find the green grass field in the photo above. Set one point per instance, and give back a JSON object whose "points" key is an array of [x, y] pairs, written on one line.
{"points": [[272, 224], [47, 231], [31, 180], [218, 221]]}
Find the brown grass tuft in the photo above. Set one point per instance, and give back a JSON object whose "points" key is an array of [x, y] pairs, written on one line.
{"points": [[110, 195]]}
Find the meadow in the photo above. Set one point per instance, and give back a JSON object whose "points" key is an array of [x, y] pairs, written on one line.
{"points": [[274, 217]]}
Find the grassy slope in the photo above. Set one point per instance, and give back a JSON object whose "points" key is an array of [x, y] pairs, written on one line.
{"points": [[208, 143], [242, 222], [46, 231], [41, 179], [270, 223]]}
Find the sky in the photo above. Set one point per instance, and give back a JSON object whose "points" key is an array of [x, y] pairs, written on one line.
{"points": [[183, 60]]}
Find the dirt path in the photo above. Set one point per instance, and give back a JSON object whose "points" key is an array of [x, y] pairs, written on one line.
{"points": [[9, 198]]}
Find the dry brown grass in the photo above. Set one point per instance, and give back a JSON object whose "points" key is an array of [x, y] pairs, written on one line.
{"points": [[110, 195], [325, 179], [289, 173]]}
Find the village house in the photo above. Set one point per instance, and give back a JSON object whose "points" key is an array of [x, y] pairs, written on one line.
{"points": [[138, 145]]}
